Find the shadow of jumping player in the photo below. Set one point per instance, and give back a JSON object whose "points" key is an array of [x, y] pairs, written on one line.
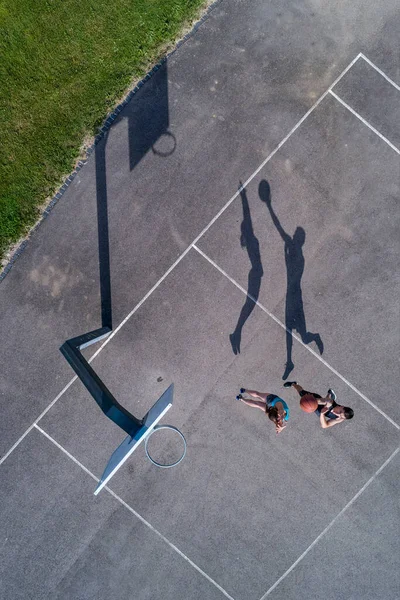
{"points": [[294, 258], [249, 241]]}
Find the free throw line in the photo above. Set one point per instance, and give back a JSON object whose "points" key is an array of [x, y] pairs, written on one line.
{"points": [[136, 514], [392, 146], [328, 527], [323, 361], [178, 260]]}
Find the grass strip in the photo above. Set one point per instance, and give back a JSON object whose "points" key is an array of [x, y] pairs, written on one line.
{"points": [[63, 66]]}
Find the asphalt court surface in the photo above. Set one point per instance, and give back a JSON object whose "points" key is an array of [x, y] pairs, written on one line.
{"points": [[231, 99], [236, 516], [67, 523], [351, 209]]}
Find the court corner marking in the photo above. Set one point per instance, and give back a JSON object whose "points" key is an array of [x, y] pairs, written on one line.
{"points": [[328, 527], [364, 121], [136, 514], [373, 65]]}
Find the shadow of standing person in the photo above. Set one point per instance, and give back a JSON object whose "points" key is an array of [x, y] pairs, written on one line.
{"points": [[249, 241], [294, 258]]}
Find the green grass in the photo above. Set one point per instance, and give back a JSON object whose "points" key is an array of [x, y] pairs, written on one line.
{"points": [[63, 66]]}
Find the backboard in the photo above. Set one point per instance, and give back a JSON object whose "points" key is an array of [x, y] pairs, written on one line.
{"points": [[130, 443]]}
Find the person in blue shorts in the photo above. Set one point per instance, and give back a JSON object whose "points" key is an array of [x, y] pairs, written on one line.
{"points": [[276, 408]]}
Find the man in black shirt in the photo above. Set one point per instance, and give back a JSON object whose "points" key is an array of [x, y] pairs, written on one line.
{"points": [[330, 413]]}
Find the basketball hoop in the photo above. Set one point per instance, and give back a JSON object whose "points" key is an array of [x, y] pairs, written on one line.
{"points": [[157, 463]]}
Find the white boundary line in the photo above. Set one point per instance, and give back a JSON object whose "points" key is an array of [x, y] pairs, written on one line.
{"points": [[3, 458], [290, 569], [350, 385], [392, 146], [380, 71], [178, 260], [142, 438], [137, 515], [192, 245]]}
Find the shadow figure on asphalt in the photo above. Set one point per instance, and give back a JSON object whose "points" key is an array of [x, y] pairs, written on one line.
{"points": [[249, 241], [294, 258]]}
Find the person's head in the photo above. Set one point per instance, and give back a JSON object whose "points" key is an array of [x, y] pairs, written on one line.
{"points": [[348, 413], [345, 412], [299, 236], [276, 416]]}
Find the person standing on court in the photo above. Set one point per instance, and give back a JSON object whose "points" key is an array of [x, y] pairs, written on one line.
{"points": [[330, 413], [273, 406]]}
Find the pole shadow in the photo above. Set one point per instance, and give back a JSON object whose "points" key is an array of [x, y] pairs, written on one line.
{"points": [[294, 258], [147, 114], [103, 233], [249, 241]]}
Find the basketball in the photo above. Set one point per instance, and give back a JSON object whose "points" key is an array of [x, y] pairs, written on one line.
{"points": [[308, 403]]}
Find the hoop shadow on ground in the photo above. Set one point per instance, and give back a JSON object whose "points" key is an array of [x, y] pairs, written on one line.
{"points": [[148, 119], [294, 258], [147, 113]]}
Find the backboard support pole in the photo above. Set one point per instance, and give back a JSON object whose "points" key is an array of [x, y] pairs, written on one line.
{"points": [[137, 429]]}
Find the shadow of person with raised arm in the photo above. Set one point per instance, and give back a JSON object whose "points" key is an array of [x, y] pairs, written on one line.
{"points": [[249, 241], [294, 258]]}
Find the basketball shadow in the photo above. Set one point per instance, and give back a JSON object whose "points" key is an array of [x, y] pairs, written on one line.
{"points": [[294, 258]]}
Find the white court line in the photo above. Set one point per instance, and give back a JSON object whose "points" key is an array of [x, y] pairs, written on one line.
{"points": [[364, 121], [178, 260], [290, 569], [3, 458], [137, 515], [270, 314], [380, 71], [223, 209]]}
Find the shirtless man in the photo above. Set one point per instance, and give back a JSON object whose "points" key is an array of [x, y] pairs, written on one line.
{"points": [[330, 413]]}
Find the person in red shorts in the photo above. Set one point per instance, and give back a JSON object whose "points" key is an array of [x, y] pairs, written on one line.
{"points": [[330, 413]]}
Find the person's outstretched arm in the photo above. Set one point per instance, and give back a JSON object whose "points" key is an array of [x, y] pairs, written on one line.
{"points": [[286, 237], [245, 205], [328, 423]]}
